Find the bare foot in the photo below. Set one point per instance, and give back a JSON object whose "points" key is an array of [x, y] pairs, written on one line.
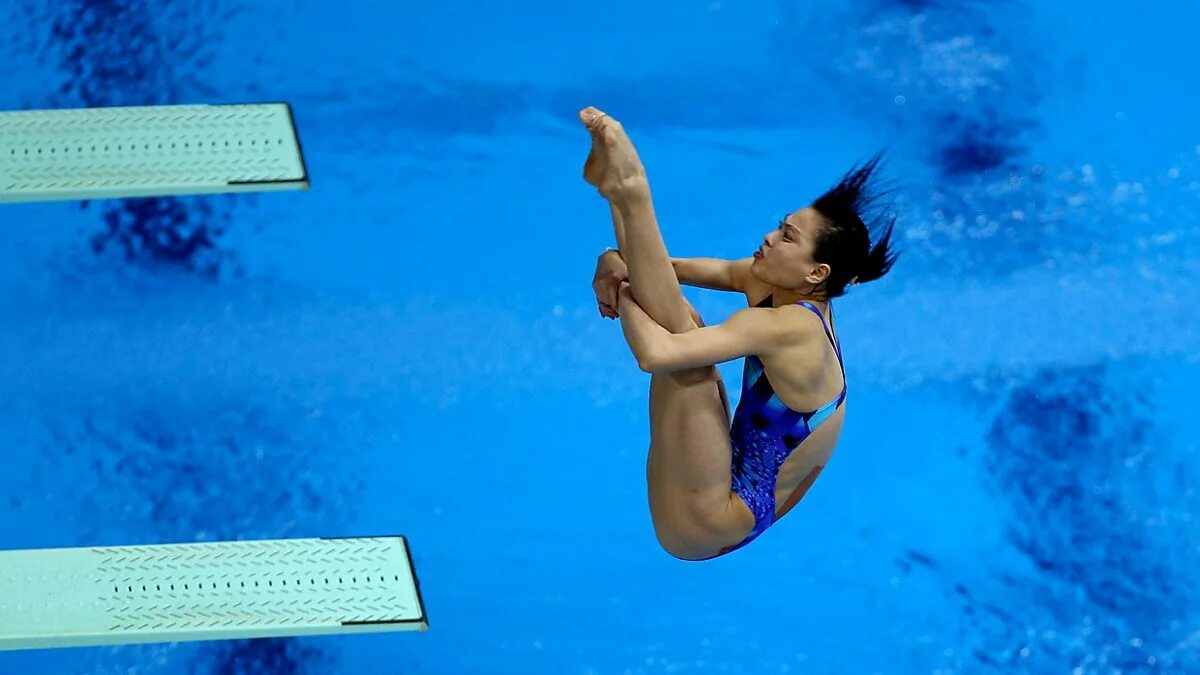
{"points": [[613, 164]]}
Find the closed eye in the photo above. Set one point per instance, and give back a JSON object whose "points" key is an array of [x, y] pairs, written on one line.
{"points": [[785, 226]]}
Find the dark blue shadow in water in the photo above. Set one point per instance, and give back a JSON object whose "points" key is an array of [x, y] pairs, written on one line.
{"points": [[1097, 584], [269, 655], [136, 53]]}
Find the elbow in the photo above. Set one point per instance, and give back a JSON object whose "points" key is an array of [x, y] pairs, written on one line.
{"points": [[649, 362]]}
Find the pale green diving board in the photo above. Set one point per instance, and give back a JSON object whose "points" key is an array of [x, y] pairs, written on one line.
{"points": [[70, 597], [148, 151]]}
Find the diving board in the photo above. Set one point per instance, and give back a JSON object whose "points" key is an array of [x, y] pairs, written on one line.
{"points": [[70, 597], [147, 151]]}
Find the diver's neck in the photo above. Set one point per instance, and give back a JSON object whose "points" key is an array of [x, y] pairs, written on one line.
{"points": [[788, 296]]}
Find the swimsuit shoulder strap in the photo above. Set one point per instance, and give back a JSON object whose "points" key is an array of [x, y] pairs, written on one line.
{"points": [[837, 350], [824, 324]]}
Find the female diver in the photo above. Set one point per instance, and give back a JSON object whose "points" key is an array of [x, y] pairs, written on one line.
{"points": [[716, 483]]}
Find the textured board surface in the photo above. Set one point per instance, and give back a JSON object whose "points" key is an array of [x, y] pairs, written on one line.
{"points": [[210, 591], [95, 153]]}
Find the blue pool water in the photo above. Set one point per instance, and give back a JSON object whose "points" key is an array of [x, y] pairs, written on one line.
{"points": [[413, 347]]}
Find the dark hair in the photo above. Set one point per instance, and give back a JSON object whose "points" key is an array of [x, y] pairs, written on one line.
{"points": [[844, 241]]}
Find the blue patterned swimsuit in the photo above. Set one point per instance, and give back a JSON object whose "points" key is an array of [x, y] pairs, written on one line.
{"points": [[764, 433]]}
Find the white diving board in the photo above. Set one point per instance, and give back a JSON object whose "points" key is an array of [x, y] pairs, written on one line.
{"points": [[148, 151], [71, 597]]}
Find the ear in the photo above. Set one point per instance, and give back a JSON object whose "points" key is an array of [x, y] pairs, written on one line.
{"points": [[820, 273]]}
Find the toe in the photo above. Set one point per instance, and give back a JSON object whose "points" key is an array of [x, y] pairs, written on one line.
{"points": [[590, 116]]}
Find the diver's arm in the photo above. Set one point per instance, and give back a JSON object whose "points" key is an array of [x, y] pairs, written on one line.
{"points": [[754, 330], [714, 274]]}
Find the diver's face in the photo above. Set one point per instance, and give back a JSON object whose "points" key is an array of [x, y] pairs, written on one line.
{"points": [[785, 257]]}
